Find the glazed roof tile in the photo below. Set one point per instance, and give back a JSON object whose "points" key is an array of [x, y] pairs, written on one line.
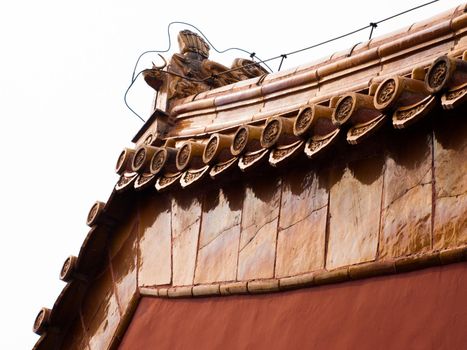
{"points": [[394, 80]]}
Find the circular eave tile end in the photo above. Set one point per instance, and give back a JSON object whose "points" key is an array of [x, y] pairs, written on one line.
{"points": [[344, 109], [240, 141], [158, 161], [66, 273], [386, 94], [211, 149], [303, 122], [42, 321], [94, 213], [139, 158], [124, 161], [271, 133], [183, 156], [438, 74]]}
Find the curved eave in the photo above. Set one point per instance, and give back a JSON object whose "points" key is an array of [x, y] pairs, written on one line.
{"points": [[351, 70], [283, 95]]}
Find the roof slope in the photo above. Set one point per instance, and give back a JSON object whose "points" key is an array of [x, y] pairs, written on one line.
{"points": [[396, 80]]}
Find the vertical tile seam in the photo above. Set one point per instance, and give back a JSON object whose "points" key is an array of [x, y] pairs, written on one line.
{"points": [[433, 184], [383, 175], [203, 197], [327, 227], [114, 285], [138, 236], [171, 243], [240, 234], [277, 228], [87, 339]]}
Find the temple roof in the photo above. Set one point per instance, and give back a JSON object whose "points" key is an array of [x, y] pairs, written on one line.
{"points": [[394, 81]]}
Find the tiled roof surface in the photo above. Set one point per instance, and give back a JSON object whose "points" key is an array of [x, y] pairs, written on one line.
{"points": [[394, 81]]}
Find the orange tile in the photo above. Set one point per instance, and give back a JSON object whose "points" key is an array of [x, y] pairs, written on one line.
{"points": [[355, 203], [100, 311], [301, 247], [259, 229], [220, 235], [302, 223], [155, 242], [450, 154], [407, 192], [124, 266], [186, 216], [76, 339]]}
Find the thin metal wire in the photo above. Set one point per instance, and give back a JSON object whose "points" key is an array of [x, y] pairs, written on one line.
{"points": [[406, 11], [373, 26], [126, 94], [252, 55], [282, 60]]}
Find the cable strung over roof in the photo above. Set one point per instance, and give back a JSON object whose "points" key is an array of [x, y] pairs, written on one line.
{"points": [[372, 25]]}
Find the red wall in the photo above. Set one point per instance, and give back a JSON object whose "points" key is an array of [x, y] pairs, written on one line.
{"points": [[426, 309]]}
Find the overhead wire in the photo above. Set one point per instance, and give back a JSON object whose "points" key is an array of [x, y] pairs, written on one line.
{"points": [[372, 25], [134, 76]]}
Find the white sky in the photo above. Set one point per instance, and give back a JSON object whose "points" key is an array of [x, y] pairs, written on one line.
{"points": [[64, 67]]}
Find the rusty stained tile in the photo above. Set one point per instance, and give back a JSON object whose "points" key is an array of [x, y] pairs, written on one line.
{"points": [[192, 123], [155, 242], [349, 81], [441, 17], [406, 209], [348, 65], [303, 191], [302, 223], [259, 229], [239, 114], [75, 338], [186, 215], [220, 235], [406, 224], [298, 98], [450, 163], [124, 267], [300, 248], [100, 311], [435, 34], [123, 254], [279, 75], [355, 203], [238, 98], [450, 222], [386, 38], [413, 59], [217, 261]]}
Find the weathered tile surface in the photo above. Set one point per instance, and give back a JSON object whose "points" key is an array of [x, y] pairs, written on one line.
{"points": [[155, 243], [217, 261], [220, 236], [186, 217], [124, 267], [355, 203], [101, 319], [407, 195], [300, 248], [406, 225], [450, 222], [256, 259], [303, 192], [259, 229], [76, 339], [450, 163], [302, 223]]}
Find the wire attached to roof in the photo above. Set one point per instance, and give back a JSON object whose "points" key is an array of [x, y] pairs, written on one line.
{"points": [[372, 25]]}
